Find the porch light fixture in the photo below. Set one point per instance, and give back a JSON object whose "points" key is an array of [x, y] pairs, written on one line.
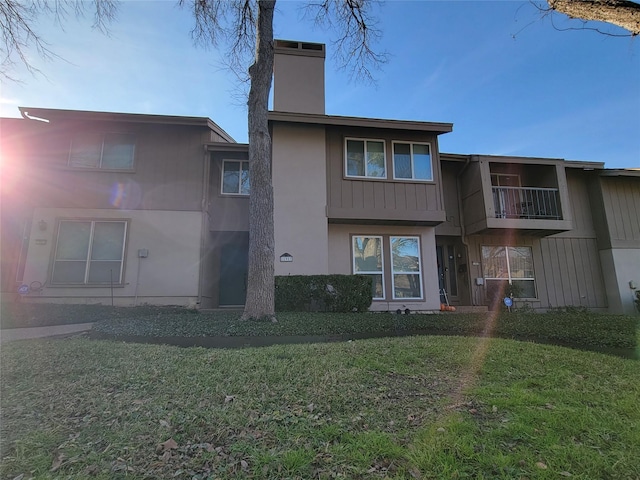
{"points": [[286, 257], [42, 225]]}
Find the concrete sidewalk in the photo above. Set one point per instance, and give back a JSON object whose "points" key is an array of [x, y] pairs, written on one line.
{"points": [[12, 334]]}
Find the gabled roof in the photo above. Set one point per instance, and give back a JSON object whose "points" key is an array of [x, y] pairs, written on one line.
{"points": [[311, 118], [85, 115]]}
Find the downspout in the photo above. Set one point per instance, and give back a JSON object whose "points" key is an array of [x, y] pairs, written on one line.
{"points": [[463, 230], [204, 206]]}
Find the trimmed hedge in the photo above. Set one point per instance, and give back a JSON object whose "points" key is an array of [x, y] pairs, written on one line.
{"points": [[323, 293]]}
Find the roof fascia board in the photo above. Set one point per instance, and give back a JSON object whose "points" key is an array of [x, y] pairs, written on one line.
{"points": [[288, 117], [226, 147], [620, 172], [85, 115]]}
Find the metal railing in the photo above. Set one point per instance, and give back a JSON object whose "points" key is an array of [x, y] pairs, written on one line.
{"points": [[527, 202]]}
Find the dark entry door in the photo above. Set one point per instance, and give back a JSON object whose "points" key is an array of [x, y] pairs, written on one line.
{"points": [[233, 274], [447, 272]]}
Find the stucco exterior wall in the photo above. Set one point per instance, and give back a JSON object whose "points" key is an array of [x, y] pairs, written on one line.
{"points": [[300, 199], [621, 266], [168, 276], [341, 260]]}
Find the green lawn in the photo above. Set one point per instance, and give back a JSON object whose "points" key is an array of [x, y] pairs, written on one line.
{"points": [[413, 407]]}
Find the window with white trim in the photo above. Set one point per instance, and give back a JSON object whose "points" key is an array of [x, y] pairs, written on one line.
{"points": [[509, 265], [403, 274], [89, 252], [365, 158], [368, 260], [108, 151], [412, 161], [405, 265], [235, 177]]}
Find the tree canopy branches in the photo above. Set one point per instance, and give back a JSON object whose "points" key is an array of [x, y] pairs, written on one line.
{"points": [[17, 20]]}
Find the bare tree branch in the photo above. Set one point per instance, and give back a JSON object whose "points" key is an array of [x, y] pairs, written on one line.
{"points": [[358, 30], [19, 36], [623, 13]]}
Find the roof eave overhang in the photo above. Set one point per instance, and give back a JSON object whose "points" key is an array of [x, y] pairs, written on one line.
{"points": [[327, 120], [85, 115]]}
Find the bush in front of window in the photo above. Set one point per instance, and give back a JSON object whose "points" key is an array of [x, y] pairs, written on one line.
{"points": [[323, 293]]}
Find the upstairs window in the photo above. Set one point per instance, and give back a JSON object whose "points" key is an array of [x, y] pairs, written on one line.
{"points": [[235, 177], [111, 151], [365, 158], [89, 252], [412, 161]]}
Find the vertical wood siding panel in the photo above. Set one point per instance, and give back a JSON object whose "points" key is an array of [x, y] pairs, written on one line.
{"points": [[579, 271], [635, 201], [346, 200], [621, 198], [564, 271], [556, 272], [632, 202], [614, 204], [368, 194], [580, 205], [379, 195], [589, 279], [421, 197], [357, 198], [400, 196], [594, 262], [336, 169], [432, 197], [572, 279], [410, 189], [545, 281], [539, 273], [389, 196]]}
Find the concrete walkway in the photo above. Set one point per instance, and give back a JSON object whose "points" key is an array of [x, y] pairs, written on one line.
{"points": [[9, 335]]}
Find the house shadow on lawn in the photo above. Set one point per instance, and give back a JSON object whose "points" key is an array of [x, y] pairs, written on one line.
{"points": [[265, 341]]}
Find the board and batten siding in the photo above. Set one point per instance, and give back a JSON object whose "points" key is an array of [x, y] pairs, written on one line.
{"points": [[571, 273], [566, 270], [621, 197], [381, 199]]}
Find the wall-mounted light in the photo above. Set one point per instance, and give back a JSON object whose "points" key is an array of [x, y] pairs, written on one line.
{"points": [[286, 257], [42, 225]]}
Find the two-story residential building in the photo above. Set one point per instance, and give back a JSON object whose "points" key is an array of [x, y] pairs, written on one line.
{"points": [[101, 207]]}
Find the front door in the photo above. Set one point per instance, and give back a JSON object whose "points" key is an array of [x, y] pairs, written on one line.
{"points": [[233, 274], [447, 273]]}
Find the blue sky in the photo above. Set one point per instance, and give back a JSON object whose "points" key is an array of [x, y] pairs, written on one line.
{"points": [[510, 82]]}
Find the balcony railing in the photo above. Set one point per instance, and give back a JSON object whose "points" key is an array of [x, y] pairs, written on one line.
{"points": [[527, 202]]}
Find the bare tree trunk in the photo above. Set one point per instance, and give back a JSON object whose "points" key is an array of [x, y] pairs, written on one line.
{"points": [[624, 13], [260, 302]]}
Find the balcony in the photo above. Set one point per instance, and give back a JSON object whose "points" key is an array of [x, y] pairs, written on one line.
{"points": [[527, 202], [505, 195]]}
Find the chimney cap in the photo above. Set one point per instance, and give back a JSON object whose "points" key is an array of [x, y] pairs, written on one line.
{"points": [[294, 47]]}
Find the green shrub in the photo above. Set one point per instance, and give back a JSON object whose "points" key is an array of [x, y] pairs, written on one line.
{"points": [[323, 293]]}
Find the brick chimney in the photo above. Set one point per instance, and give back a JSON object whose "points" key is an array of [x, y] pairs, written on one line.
{"points": [[298, 83]]}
